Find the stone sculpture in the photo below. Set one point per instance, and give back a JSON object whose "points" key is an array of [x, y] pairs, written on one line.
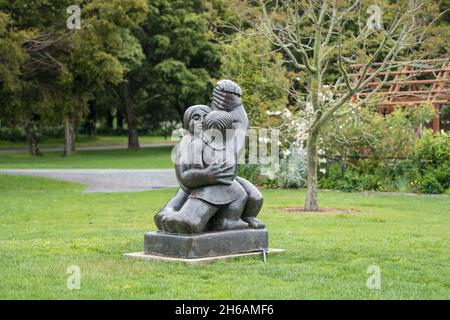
{"points": [[211, 197]]}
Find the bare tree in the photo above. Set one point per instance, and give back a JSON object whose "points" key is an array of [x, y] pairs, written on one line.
{"points": [[323, 40]]}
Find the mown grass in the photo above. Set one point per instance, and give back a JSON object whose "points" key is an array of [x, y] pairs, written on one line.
{"points": [[85, 141], [145, 158], [48, 225]]}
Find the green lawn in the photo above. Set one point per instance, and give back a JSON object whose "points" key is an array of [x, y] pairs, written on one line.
{"points": [[47, 225], [85, 141], [146, 158]]}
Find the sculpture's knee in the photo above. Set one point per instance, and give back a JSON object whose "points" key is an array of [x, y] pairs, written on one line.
{"points": [[254, 203], [256, 197]]}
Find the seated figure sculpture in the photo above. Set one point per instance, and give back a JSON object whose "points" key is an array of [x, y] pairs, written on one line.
{"points": [[220, 205], [211, 197]]}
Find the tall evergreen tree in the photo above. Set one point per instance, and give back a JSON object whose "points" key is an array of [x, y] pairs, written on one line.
{"points": [[181, 58]]}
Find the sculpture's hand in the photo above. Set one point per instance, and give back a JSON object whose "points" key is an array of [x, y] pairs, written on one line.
{"points": [[220, 173], [226, 95]]}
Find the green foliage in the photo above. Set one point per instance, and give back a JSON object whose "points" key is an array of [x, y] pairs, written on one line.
{"points": [[260, 73], [350, 182], [11, 134], [433, 148], [385, 153], [99, 47], [429, 184], [334, 173], [372, 182], [406, 168], [255, 173], [12, 57], [178, 86], [64, 68], [181, 58], [337, 177], [442, 174], [402, 184], [401, 175], [365, 132], [251, 172]]}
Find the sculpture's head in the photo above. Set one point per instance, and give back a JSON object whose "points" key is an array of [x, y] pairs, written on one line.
{"points": [[226, 95], [194, 116], [218, 120], [215, 128]]}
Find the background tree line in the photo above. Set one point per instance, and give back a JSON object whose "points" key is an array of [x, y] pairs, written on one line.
{"points": [[135, 63], [132, 64]]}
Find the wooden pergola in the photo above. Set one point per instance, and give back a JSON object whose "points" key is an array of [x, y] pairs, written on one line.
{"points": [[412, 83]]}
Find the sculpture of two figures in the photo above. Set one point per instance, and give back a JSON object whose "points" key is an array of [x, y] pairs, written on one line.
{"points": [[211, 197]]}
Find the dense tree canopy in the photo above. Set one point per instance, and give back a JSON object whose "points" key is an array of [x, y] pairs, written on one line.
{"points": [[135, 63], [181, 55], [58, 70]]}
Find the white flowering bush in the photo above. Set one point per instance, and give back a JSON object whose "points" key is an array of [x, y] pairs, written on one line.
{"points": [[293, 136], [293, 169]]}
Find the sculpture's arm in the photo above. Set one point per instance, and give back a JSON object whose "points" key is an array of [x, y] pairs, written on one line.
{"points": [[195, 178], [240, 122]]}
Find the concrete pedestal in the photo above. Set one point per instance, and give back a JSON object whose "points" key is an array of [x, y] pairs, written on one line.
{"points": [[208, 244]]}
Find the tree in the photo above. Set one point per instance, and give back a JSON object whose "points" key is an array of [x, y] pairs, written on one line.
{"points": [[181, 57], [168, 58], [316, 36], [62, 68], [261, 75], [12, 58], [100, 54]]}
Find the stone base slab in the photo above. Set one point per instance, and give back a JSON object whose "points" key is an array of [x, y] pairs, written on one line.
{"points": [[150, 257], [208, 244]]}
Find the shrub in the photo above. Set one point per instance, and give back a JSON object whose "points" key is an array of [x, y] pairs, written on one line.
{"points": [[251, 172], [442, 174], [433, 148], [402, 184], [254, 174], [52, 132], [368, 133], [329, 180], [406, 168], [371, 182], [13, 135], [429, 184], [351, 182], [293, 171]]}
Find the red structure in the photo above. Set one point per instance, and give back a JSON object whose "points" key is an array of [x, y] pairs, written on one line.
{"points": [[413, 83]]}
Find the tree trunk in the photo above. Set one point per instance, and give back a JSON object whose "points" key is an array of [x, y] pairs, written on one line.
{"points": [[311, 154], [32, 138], [69, 136], [119, 116], [133, 137], [91, 120], [110, 122]]}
